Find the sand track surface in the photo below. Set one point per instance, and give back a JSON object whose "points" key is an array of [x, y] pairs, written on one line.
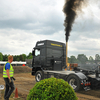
{"points": [[25, 81]]}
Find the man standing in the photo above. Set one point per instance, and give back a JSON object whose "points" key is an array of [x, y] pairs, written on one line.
{"points": [[8, 72]]}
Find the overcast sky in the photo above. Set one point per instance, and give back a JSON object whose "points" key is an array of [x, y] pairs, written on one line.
{"points": [[24, 22]]}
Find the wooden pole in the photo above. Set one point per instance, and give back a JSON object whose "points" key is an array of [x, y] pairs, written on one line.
{"points": [[66, 54], [67, 64]]}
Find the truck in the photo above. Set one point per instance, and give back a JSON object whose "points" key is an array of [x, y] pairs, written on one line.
{"points": [[49, 60]]}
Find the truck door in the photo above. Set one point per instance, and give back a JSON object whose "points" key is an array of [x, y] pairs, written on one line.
{"points": [[37, 60]]}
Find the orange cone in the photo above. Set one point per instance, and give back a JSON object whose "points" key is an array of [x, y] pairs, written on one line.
{"points": [[16, 93], [23, 65]]}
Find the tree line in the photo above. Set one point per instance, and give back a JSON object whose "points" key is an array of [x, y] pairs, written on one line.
{"points": [[20, 57], [81, 58]]}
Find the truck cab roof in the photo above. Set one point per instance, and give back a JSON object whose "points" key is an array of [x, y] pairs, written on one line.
{"points": [[49, 43]]}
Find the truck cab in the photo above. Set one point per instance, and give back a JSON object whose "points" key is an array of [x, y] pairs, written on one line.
{"points": [[48, 55]]}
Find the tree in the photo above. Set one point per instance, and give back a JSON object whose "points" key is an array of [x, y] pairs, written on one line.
{"points": [[29, 56], [21, 58], [97, 57], [82, 58], [69, 60], [14, 58], [91, 58], [1, 56], [5, 57], [73, 59], [17, 59], [24, 56]]}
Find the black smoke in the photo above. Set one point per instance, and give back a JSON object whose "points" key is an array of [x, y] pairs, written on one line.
{"points": [[70, 8]]}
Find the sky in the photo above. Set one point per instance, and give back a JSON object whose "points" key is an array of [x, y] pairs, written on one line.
{"points": [[24, 22]]}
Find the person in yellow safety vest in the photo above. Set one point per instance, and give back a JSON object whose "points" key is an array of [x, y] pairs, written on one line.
{"points": [[8, 72]]}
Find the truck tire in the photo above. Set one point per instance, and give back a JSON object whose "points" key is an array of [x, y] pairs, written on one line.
{"points": [[74, 82], [38, 76]]}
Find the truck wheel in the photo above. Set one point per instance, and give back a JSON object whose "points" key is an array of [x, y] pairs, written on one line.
{"points": [[38, 76], [74, 82]]}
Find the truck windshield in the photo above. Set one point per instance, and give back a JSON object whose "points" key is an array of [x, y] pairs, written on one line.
{"points": [[37, 52]]}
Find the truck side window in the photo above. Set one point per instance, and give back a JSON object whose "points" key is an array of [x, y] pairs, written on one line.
{"points": [[37, 52]]}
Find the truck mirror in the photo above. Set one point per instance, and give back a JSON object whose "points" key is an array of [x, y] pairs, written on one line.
{"points": [[33, 53]]}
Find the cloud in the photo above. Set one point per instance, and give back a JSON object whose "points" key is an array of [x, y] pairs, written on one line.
{"points": [[16, 42], [39, 16], [24, 22], [83, 45]]}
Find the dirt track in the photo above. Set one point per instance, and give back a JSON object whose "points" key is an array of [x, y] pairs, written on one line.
{"points": [[25, 81]]}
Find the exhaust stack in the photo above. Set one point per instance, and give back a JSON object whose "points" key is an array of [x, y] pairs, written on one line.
{"points": [[70, 8]]}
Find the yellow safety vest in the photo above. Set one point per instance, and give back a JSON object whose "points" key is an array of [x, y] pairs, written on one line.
{"points": [[11, 71]]}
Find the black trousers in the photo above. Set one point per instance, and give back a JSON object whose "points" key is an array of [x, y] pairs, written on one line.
{"points": [[9, 88]]}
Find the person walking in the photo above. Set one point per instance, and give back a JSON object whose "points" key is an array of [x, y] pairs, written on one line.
{"points": [[8, 73]]}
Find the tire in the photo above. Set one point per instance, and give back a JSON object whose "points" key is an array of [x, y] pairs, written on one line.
{"points": [[38, 76], [74, 82]]}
